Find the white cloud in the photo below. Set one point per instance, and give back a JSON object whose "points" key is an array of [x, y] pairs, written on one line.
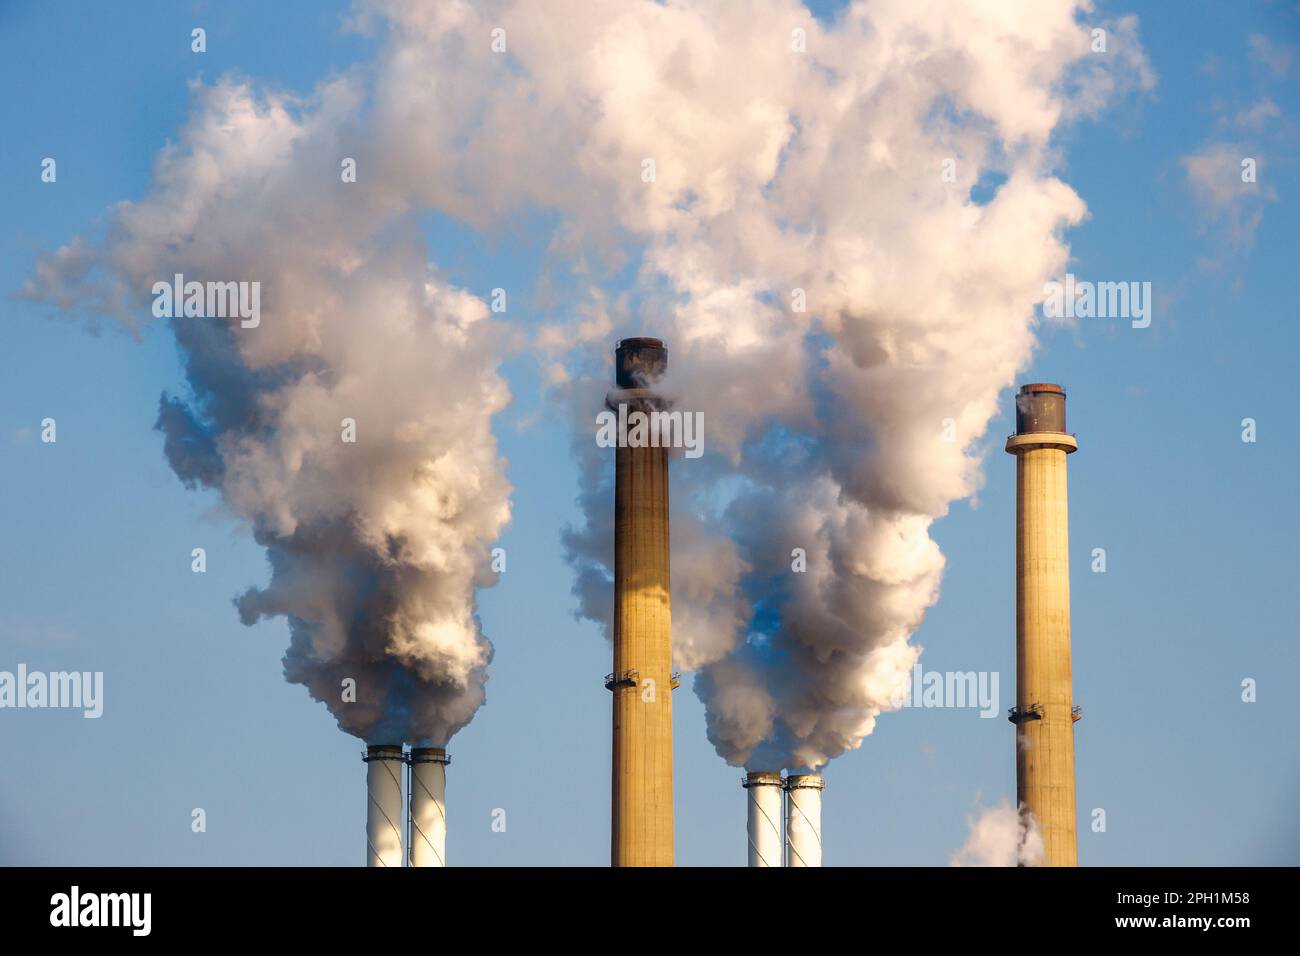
{"points": [[1258, 115], [1230, 205], [1276, 57]]}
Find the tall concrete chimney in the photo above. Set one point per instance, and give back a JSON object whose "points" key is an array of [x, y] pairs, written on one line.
{"points": [[1044, 714], [384, 819], [803, 819], [642, 778], [428, 806], [764, 821]]}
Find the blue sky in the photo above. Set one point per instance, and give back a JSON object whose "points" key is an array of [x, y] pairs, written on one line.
{"points": [[1199, 527]]}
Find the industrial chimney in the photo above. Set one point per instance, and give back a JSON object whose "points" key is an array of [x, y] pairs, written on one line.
{"points": [[428, 806], [764, 790], [384, 805], [641, 682], [1044, 714], [803, 819]]}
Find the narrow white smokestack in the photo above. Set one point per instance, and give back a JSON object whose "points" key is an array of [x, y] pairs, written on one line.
{"points": [[764, 789], [803, 819], [384, 805], [429, 806]]}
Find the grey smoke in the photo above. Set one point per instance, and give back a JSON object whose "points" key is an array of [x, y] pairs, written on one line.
{"points": [[376, 547], [778, 166], [847, 429], [1001, 836]]}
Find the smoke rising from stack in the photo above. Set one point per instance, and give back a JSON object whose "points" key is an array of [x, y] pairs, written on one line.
{"points": [[786, 168], [846, 430], [1001, 836], [377, 546]]}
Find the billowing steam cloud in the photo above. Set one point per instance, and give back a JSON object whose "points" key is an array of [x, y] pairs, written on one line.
{"points": [[841, 231], [376, 545], [846, 231], [1001, 836]]}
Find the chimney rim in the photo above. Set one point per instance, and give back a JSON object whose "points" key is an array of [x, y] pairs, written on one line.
{"points": [[430, 755], [383, 752], [641, 342]]}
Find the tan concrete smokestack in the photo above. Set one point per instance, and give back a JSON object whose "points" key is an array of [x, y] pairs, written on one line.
{"points": [[642, 778], [803, 819], [428, 806], [384, 818], [1044, 714], [763, 788]]}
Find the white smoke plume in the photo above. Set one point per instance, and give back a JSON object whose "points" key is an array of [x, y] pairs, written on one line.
{"points": [[841, 232], [376, 546], [1001, 836], [895, 171]]}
